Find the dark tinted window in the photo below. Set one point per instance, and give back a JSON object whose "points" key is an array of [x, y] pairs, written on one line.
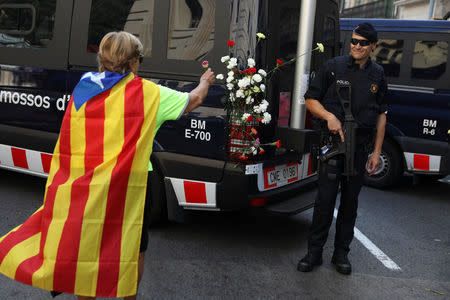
{"points": [[289, 18], [389, 54], [329, 27], [191, 29], [429, 59], [26, 24], [134, 16]]}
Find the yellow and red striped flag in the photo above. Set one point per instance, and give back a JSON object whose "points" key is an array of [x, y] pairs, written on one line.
{"points": [[85, 239]]}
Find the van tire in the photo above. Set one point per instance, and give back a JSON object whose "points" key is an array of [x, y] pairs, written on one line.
{"points": [[158, 202], [392, 167]]}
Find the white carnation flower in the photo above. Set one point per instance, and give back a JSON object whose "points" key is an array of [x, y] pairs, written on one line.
{"points": [[232, 63], [225, 58], [219, 76], [240, 94], [230, 79], [244, 82], [262, 87], [320, 47], [263, 106], [245, 116], [251, 62], [249, 100], [259, 109], [262, 72], [230, 86], [232, 97], [266, 118], [260, 36], [230, 74], [257, 78]]}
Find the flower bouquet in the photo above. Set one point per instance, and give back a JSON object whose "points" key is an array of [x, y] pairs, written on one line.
{"points": [[246, 105]]}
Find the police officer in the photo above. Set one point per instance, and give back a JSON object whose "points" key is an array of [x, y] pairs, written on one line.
{"points": [[368, 87]]}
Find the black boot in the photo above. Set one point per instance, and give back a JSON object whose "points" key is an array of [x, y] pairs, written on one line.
{"points": [[307, 263], [342, 263]]}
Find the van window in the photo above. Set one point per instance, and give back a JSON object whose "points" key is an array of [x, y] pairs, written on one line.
{"points": [[429, 59], [329, 29], [191, 29], [134, 16], [27, 24], [389, 54]]}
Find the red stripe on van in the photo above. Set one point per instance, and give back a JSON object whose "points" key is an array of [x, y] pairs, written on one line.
{"points": [[46, 160], [19, 158], [421, 162], [195, 192]]}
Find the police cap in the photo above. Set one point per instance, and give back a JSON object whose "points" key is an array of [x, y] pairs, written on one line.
{"points": [[366, 30]]}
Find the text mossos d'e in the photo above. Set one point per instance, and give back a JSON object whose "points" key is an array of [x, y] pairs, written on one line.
{"points": [[197, 131], [33, 100]]}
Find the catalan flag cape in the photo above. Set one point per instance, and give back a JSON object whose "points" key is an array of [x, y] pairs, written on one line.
{"points": [[85, 239]]}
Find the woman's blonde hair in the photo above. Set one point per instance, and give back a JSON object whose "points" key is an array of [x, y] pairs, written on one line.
{"points": [[117, 50]]}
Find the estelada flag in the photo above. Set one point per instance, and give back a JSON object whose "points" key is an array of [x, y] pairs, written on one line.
{"points": [[85, 238]]}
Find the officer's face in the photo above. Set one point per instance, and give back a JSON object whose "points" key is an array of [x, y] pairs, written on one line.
{"points": [[358, 51]]}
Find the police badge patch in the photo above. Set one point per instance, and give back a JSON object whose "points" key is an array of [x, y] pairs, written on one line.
{"points": [[374, 88]]}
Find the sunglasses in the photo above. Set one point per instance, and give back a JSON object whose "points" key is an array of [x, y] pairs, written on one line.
{"points": [[363, 43], [141, 58]]}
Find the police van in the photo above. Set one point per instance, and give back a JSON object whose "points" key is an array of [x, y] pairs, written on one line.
{"points": [[45, 47], [416, 62]]}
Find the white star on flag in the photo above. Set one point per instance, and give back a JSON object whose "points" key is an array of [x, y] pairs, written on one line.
{"points": [[95, 78]]}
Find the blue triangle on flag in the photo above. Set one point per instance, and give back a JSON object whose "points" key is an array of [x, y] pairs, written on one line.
{"points": [[92, 84]]}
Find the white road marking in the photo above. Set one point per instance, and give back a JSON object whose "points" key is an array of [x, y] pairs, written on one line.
{"points": [[383, 258]]}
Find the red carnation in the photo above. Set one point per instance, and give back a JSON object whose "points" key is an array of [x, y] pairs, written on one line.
{"points": [[259, 119], [250, 118], [235, 71], [279, 62], [254, 131], [261, 151], [251, 71], [243, 157], [278, 144], [231, 43]]}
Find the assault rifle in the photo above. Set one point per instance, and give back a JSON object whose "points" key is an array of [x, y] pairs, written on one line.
{"points": [[336, 146]]}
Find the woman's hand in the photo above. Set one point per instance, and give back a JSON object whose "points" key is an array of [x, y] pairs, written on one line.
{"points": [[208, 76], [334, 125]]}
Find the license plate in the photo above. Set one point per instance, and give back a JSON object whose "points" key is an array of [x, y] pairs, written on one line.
{"points": [[280, 175]]}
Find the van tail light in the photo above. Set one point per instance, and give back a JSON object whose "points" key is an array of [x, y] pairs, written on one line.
{"points": [[258, 201]]}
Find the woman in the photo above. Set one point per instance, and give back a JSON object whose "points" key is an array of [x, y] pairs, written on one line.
{"points": [[88, 237]]}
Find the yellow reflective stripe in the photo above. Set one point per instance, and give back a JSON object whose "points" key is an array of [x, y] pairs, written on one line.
{"points": [[20, 253], [134, 209], [94, 214]]}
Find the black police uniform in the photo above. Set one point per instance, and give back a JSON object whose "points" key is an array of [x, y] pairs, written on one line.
{"points": [[368, 87]]}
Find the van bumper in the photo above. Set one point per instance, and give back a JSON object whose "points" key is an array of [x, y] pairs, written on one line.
{"points": [[425, 156], [234, 190]]}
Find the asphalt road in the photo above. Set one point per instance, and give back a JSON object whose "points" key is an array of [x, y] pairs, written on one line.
{"points": [[247, 256]]}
